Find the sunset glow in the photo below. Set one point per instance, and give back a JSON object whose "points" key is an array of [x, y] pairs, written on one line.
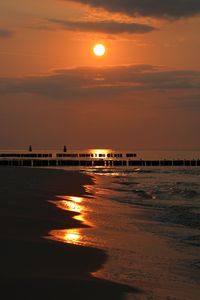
{"points": [[100, 149], [99, 50], [100, 74], [99, 152]]}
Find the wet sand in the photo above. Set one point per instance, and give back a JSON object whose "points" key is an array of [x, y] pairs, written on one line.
{"points": [[33, 267]]}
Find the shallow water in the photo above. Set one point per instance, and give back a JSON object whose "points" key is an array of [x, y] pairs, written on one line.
{"points": [[148, 221]]}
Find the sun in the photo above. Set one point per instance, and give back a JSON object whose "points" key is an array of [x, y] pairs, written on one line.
{"points": [[99, 50]]}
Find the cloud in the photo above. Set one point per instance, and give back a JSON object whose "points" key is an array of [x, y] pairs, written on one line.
{"points": [[152, 8], [45, 27], [100, 82], [5, 33], [109, 27]]}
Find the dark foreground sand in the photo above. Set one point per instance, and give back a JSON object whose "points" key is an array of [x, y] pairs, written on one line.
{"points": [[32, 267]]}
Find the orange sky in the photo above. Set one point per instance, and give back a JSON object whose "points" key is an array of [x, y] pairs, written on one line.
{"points": [[144, 93]]}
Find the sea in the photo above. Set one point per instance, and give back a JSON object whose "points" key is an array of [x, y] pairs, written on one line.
{"points": [[148, 221]]}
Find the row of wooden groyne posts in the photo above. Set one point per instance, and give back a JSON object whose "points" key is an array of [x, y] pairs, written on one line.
{"points": [[103, 162], [88, 158]]}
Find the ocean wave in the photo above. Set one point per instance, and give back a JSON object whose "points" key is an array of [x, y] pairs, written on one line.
{"points": [[193, 240], [173, 194], [187, 171], [181, 215], [129, 183]]}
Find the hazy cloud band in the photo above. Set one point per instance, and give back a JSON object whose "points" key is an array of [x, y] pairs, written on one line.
{"points": [[152, 8], [5, 33], [93, 82]]}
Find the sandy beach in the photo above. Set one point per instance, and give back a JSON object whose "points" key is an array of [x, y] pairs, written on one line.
{"points": [[33, 267], [74, 235]]}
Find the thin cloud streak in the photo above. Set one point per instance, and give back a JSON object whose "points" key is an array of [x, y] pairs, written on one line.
{"points": [[108, 27]]}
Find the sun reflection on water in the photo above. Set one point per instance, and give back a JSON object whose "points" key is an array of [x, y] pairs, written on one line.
{"points": [[72, 198], [76, 199], [70, 203], [74, 204], [80, 218], [71, 236]]}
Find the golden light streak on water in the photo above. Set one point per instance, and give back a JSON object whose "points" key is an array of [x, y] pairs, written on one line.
{"points": [[72, 236], [68, 205], [76, 199], [71, 198], [80, 218]]}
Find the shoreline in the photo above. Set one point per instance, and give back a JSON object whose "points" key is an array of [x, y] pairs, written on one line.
{"points": [[38, 267]]}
